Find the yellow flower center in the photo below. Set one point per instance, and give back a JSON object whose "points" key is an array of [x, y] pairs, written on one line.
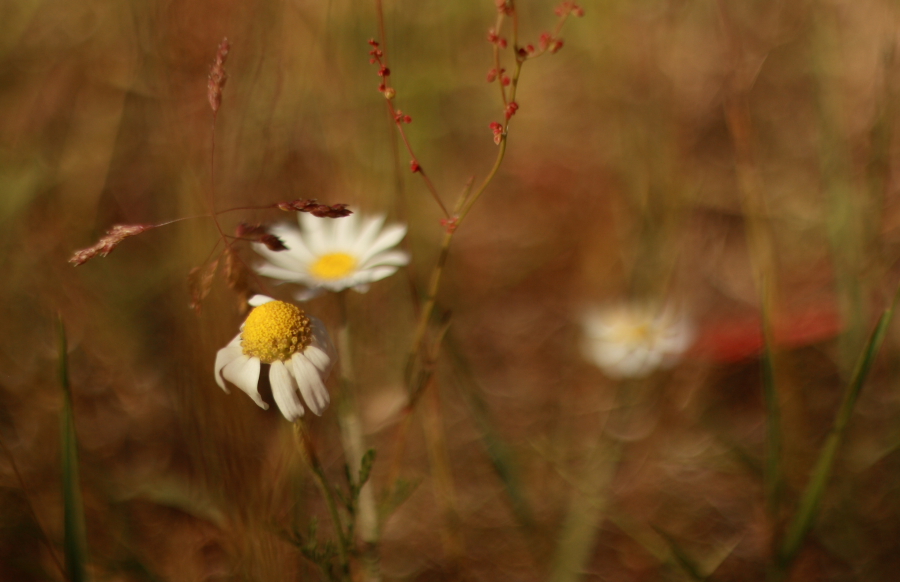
{"points": [[634, 333], [333, 266], [275, 331]]}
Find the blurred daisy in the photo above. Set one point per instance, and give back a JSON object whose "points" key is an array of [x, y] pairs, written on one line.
{"points": [[334, 254], [295, 347], [631, 341]]}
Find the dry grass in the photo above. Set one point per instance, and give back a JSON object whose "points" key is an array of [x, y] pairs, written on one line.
{"points": [[626, 176]]}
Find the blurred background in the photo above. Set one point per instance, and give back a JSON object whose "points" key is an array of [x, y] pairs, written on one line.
{"points": [[669, 152]]}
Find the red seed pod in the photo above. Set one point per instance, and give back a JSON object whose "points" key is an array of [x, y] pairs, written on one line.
{"points": [[511, 109], [505, 80], [492, 75]]}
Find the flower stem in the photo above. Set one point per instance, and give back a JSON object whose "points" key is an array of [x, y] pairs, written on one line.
{"points": [[307, 450], [366, 518]]}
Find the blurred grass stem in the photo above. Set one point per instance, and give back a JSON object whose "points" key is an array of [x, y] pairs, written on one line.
{"points": [[366, 517], [810, 502], [73, 507], [308, 452]]}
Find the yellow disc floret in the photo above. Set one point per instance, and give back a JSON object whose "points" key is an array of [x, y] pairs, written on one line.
{"points": [[333, 266], [275, 331]]}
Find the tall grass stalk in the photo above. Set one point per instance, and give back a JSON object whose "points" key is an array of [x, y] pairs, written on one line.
{"points": [[73, 508], [810, 502]]}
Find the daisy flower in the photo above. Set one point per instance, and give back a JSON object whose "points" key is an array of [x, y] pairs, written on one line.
{"points": [[334, 254], [631, 341], [294, 346]]}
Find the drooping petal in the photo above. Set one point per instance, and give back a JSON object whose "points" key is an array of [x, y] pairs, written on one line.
{"points": [[319, 358], [243, 372], [225, 356], [310, 383], [284, 391]]}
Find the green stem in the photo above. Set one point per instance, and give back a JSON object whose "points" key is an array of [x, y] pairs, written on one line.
{"points": [[810, 502], [309, 454], [366, 517]]}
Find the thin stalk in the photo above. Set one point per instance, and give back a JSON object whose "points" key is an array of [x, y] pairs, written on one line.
{"points": [[366, 518], [810, 502], [73, 507], [307, 450]]}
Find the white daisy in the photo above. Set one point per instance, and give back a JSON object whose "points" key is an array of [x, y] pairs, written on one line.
{"points": [[631, 341], [334, 253], [296, 348]]}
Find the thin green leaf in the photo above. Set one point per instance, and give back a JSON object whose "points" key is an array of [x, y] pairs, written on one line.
{"points": [[498, 451], [682, 558], [73, 509], [810, 502], [365, 467]]}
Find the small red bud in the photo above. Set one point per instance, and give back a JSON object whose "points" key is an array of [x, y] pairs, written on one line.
{"points": [[505, 81], [407, 119], [492, 75], [414, 166], [501, 43]]}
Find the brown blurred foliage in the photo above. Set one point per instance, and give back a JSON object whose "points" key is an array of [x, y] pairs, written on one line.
{"points": [[622, 180]]}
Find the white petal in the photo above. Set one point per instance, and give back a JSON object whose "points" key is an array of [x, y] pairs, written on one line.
{"points": [[322, 340], [345, 231], [316, 234], [243, 372], [389, 237], [283, 259], [224, 357], [258, 300], [310, 383], [367, 234], [376, 274], [275, 272], [319, 358], [284, 391], [395, 258], [293, 240]]}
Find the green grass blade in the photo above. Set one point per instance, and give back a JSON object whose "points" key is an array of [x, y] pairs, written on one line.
{"points": [[681, 557], [73, 510], [808, 508], [499, 453]]}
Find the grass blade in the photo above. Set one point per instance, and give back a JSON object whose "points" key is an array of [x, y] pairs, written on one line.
{"points": [[500, 454], [810, 502], [73, 510]]}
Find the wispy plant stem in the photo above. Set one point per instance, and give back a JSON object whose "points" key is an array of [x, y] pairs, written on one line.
{"points": [[366, 518], [307, 450]]}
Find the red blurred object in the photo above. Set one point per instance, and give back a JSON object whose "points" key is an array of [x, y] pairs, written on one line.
{"points": [[741, 338]]}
